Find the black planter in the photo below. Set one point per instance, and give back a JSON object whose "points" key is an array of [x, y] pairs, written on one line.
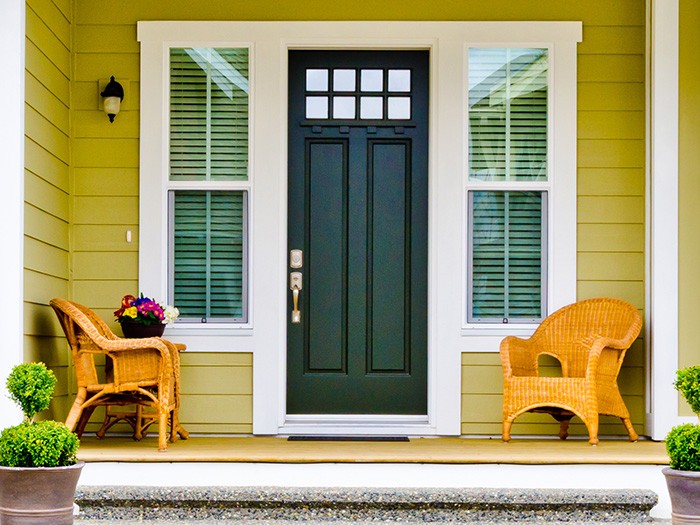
{"points": [[138, 331], [38, 495]]}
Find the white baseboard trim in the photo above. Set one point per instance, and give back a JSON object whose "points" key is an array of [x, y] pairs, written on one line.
{"points": [[357, 425]]}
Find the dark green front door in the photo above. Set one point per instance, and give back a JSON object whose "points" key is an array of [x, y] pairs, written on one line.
{"points": [[358, 211]]}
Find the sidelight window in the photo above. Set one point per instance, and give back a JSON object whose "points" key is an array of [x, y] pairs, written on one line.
{"points": [[206, 192], [508, 185]]}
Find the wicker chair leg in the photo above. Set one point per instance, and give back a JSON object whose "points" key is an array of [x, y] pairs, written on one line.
{"points": [[138, 427], [592, 426], [162, 430], [182, 432], [564, 428], [507, 423], [84, 418], [563, 418], [630, 429], [76, 410], [173, 427]]}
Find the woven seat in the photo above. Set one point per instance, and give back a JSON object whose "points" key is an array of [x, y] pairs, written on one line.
{"points": [[141, 372], [589, 339]]}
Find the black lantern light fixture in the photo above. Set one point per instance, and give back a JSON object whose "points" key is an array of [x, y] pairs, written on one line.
{"points": [[112, 97]]}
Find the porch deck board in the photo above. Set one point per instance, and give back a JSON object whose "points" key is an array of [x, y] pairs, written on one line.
{"points": [[448, 450]]}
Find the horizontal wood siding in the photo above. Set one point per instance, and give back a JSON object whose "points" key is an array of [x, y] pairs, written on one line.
{"points": [[47, 187], [610, 164], [217, 395], [611, 179]]}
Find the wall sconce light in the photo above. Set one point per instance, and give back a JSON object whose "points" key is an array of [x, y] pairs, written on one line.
{"points": [[112, 98]]}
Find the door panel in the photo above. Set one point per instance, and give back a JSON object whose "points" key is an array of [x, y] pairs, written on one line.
{"points": [[358, 190], [325, 345]]}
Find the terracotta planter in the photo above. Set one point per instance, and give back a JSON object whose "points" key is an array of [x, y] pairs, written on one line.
{"points": [[138, 331], [684, 489], [29, 496]]}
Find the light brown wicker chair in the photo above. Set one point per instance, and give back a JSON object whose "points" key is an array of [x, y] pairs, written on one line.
{"points": [[144, 372], [589, 339]]}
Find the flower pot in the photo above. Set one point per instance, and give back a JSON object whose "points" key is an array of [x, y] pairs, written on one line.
{"points": [[684, 489], [134, 330], [29, 496]]}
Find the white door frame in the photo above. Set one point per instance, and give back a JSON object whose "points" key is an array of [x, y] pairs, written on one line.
{"points": [[330, 424]]}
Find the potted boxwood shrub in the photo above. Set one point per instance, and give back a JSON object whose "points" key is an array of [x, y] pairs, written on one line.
{"points": [[38, 466], [683, 447]]}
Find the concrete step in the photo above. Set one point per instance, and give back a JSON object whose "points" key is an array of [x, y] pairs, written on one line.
{"points": [[233, 505]]}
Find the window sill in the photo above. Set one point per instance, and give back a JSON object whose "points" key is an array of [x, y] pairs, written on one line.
{"points": [[208, 330], [499, 330]]}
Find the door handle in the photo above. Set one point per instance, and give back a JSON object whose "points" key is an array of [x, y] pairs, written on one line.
{"points": [[295, 285]]}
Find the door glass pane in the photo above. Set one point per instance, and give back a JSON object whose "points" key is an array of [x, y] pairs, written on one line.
{"points": [[372, 80], [400, 80], [344, 107], [344, 80], [507, 261], [316, 80], [371, 107], [207, 265], [208, 114], [316, 107], [508, 114], [399, 108]]}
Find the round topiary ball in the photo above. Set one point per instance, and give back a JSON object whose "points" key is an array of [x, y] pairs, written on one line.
{"points": [[31, 386], [683, 447], [688, 384]]}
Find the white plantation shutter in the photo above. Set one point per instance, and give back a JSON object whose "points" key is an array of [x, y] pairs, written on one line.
{"points": [[208, 254], [208, 146], [508, 128], [208, 114], [507, 262]]}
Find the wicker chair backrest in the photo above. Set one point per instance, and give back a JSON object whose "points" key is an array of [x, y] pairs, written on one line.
{"points": [[568, 332], [83, 329]]}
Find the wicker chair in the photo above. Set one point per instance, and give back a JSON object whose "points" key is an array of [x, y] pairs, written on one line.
{"points": [[141, 372], [589, 339]]}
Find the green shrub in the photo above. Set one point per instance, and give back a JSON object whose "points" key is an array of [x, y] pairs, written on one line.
{"points": [[31, 386], [688, 384], [683, 447], [35, 444], [41, 444]]}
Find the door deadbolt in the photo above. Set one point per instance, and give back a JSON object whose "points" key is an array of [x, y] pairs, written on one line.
{"points": [[296, 259]]}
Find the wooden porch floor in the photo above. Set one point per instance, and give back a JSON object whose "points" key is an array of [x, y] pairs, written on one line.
{"points": [[448, 450]]}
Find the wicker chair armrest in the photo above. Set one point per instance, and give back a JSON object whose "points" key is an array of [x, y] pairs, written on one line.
{"points": [[518, 357], [124, 344], [595, 344], [139, 360]]}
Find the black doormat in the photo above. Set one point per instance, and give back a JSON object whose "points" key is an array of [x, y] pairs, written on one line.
{"points": [[347, 438]]}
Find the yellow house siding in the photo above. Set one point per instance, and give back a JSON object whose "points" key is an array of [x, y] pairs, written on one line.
{"points": [[47, 185], [220, 384], [689, 186], [597, 12], [611, 99]]}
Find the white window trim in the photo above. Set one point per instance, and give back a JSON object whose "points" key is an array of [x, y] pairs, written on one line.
{"points": [[270, 43], [153, 202], [12, 56], [470, 329], [560, 185]]}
